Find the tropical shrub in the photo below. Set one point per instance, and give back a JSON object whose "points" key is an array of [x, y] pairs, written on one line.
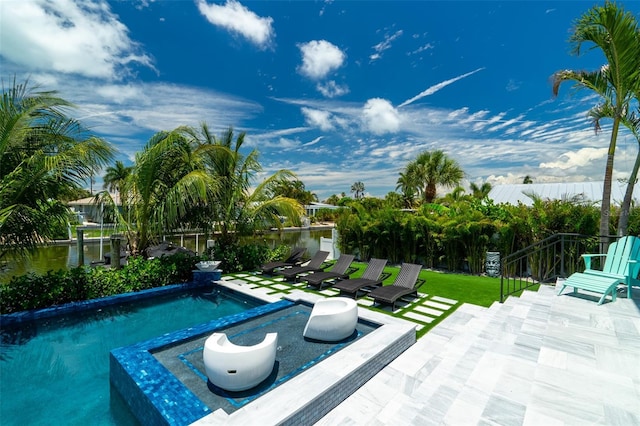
{"points": [[242, 257], [33, 291], [456, 232], [326, 215]]}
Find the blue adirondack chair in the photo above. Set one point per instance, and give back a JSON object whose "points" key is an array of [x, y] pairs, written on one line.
{"points": [[621, 266]]}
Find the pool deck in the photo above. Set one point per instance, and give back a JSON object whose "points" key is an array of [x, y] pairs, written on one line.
{"points": [[540, 359]]}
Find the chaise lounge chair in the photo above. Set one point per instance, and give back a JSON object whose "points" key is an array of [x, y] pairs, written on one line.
{"points": [[371, 277], [340, 270], [314, 264], [294, 259], [406, 283]]}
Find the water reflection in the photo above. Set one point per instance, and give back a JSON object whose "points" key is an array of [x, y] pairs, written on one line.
{"points": [[64, 256]]}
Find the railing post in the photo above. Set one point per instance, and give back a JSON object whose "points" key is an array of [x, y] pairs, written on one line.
{"points": [[562, 256], [115, 251], [80, 246]]}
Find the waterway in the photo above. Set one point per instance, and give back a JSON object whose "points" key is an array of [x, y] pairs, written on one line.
{"points": [[64, 256]]}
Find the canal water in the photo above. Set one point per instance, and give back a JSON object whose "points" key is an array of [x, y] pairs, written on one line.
{"points": [[63, 256]]}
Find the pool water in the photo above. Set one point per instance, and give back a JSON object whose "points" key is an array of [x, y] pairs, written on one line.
{"points": [[56, 371]]}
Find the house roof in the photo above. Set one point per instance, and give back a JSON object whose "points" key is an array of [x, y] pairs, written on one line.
{"points": [[589, 191], [90, 201]]}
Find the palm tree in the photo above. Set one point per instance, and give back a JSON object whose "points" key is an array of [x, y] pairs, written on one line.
{"points": [[408, 186], [615, 33], [433, 168], [527, 180], [166, 183], [295, 189], [632, 122], [481, 191], [358, 189], [238, 208], [44, 157], [115, 177]]}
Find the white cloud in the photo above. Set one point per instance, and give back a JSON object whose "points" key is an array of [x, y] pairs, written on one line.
{"points": [[437, 87], [74, 37], [317, 118], [384, 45], [421, 49], [481, 124], [319, 58], [313, 142], [379, 116], [580, 158], [236, 18], [331, 89], [513, 85]]}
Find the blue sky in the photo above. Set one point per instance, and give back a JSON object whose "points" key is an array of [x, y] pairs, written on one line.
{"points": [[336, 91]]}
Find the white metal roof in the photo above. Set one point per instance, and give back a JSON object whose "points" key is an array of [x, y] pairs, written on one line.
{"points": [[590, 191]]}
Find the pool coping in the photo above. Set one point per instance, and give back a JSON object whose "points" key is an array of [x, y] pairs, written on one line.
{"points": [[307, 397]]}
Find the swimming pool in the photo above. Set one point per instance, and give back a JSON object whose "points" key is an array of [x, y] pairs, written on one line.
{"points": [[56, 370]]}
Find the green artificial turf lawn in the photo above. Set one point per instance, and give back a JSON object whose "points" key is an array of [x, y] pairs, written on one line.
{"points": [[478, 290]]}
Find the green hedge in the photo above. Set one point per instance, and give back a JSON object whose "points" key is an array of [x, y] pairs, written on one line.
{"points": [[34, 291]]}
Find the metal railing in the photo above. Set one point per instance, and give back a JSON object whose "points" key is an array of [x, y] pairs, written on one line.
{"points": [[543, 262]]}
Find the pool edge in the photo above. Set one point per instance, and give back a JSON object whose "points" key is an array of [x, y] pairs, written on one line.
{"points": [[307, 397]]}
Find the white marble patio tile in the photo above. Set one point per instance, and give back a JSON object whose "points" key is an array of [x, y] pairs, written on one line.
{"points": [[603, 322], [444, 300], [534, 328], [503, 411], [428, 311], [438, 305], [552, 358], [417, 317], [622, 417], [611, 358], [441, 400], [487, 372], [536, 417], [365, 302], [520, 311], [627, 326], [560, 403], [281, 287], [516, 381], [629, 342], [512, 324], [253, 278], [566, 344], [362, 407], [399, 409], [467, 408]]}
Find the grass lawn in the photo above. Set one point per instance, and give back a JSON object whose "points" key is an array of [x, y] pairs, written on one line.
{"points": [[474, 289]]}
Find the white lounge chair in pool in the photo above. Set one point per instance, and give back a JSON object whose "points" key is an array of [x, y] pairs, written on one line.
{"points": [[237, 368], [332, 319]]}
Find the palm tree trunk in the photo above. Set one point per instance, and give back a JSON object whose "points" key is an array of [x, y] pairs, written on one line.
{"points": [[626, 203], [430, 192], [605, 209]]}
